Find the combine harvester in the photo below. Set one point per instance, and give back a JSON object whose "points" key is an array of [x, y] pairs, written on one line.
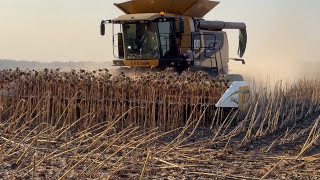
{"points": [[162, 34], [172, 33]]}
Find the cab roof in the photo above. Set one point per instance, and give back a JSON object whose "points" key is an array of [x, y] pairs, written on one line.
{"points": [[141, 17], [191, 8]]}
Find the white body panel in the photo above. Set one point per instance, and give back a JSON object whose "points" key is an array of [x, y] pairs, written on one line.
{"points": [[230, 98]]}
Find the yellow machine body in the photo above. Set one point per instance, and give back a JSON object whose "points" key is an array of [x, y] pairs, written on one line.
{"points": [[166, 33]]}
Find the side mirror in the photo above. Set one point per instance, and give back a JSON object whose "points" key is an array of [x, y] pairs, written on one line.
{"points": [[179, 26], [238, 59], [102, 28]]}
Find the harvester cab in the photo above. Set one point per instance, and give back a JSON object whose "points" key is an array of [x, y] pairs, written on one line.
{"points": [[172, 33]]}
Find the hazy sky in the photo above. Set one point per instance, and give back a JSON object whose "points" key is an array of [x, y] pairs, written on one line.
{"points": [[54, 30]]}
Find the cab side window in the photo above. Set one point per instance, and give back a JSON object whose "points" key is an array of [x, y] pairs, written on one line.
{"points": [[167, 41]]}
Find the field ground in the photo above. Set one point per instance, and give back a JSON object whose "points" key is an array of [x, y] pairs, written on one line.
{"points": [[277, 137], [133, 153]]}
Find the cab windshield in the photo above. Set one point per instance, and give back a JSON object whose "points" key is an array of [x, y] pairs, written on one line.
{"points": [[141, 41]]}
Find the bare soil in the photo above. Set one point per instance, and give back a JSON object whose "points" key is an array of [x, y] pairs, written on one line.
{"points": [[134, 153]]}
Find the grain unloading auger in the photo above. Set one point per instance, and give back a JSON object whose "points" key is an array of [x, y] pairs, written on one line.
{"points": [[172, 33]]}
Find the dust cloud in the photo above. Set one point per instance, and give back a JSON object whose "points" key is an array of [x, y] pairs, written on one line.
{"points": [[284, 48]]}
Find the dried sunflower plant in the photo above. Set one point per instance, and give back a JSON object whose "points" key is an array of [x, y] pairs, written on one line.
{"points": [[81, 124]]}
